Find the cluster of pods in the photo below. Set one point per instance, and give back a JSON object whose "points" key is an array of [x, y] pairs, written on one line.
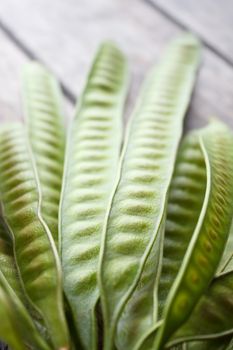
{"points": [[116, 245]]}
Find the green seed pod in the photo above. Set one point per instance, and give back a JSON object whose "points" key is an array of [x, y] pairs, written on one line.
{"points": [[212, 316], [226, 263], [17, 328], [45, 125], [91, 164], [7, 263], [34, 248], [136, 213], [185, 201], [212, 344], [210, 235]]}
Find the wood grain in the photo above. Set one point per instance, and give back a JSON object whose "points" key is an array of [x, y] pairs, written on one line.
{"points": [[11, 61], [65, 35], [211, 19]]}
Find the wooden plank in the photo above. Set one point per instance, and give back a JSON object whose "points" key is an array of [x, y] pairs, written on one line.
{"points": [[213, 94], [211, 19], [11, 62], [65, 36]]}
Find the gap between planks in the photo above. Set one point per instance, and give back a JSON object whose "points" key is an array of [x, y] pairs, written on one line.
{"points": [[181, 25], [30, 54]]}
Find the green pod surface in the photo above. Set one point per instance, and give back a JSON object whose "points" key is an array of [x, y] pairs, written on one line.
{"points": [[17, 328], [230, 345], [34, 248], [212, 316], [207, 312], [186, 195], [226, 263], [140, 195], [9, 270], [45, 125], [210, 235], [7, 263], [179, 347], [147, 340], [185, 201], [212, 344], [140, 314], [91, 164]]}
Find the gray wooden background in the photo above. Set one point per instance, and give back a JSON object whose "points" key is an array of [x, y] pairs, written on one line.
{"points": [[64, 34]]}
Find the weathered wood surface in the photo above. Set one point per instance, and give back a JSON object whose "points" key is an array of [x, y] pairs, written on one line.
{"points": [[11, 61], [65, 35], [211, 19]]}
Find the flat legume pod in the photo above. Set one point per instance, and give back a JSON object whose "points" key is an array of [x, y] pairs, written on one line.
{"points": [[186, 197], [207, 244], [226, 263], [45, 125], [185, 200], [7, 263], [230, 346], [91, 164], [212, 344], [34, 248], [16, 327], [137, 208], [212, 316], [9, 270], [179, 347]]}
